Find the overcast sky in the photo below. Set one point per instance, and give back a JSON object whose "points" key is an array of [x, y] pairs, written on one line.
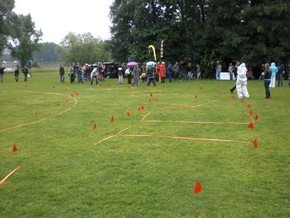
{"points": [[56, 18]]}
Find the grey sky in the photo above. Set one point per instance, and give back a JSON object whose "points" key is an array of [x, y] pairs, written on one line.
{"points": [[56, 18]]}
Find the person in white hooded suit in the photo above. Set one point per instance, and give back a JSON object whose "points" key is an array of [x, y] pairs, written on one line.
{"points": [[241, 82]]}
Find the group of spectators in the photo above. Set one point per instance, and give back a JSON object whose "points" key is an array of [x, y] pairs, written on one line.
{"points": [[16, 73], [270, 73], [152, 72]]}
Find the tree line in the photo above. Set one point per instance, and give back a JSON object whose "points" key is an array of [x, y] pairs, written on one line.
{"points": [[201, 31]]}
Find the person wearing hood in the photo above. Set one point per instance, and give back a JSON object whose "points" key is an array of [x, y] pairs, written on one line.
{"points": [[274, 70], [241, 82]]}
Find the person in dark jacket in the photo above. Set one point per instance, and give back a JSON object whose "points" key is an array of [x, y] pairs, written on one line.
{"points": [[267, 79], [1, 73]]}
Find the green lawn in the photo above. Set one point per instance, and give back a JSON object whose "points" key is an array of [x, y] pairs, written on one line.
{"points": [[145, 164]]}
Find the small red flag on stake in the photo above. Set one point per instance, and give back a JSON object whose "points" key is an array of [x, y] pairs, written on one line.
{"points": [[66, 100], [36, 113], [14, 148], [197, 188], [233, 97], [218, 92], [201, 88], [249, 106], [151, 94], [95, 126], [128, 114], [195, 97], [256, 117], [255, 142], [129, 87], [251, 125], [77, 94], [72, 95], [112, 119], [53, 87], [270, 97], [142, 107], [251, 113]]}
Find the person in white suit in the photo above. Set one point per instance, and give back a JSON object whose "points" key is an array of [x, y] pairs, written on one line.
{"points": [[242, 81]]}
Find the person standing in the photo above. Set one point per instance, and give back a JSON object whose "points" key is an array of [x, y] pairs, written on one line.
{"points": [[61, 73], [189, 71], [198, 72], [162, 72], [16, 73], [218, 70], [94, 75], [267, 74], [25, 72], [136, 75], [241, 82], [2, 68], [169, 71], [231, 71], [151, 77], [281, 71], [274, 70], [181, 70], [235, 75], [120, 74], [175, 69]]}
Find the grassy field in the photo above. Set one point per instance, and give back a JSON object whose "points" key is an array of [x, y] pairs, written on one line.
{"points": [[120, 151]]}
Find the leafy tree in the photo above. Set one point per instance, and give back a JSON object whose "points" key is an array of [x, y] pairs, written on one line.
{"points": [[27, 41], [7, 19], [83, 48], [47, 53], [201, 31]]}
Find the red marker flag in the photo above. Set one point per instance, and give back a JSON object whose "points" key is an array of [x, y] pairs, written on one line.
{"points": [[256, 117], [112, 119], [53, 87], [251, 125], [66, 100], [129, 87], [151, 94], [218, 92], [77, 93], [249, 106], [72, 95], [128, 114], [201, 88], [255, 142], [14, 148], [142, 107], [196, 97], [95, 126], [251, 113], [233, 97], [36, 113], [197, 188]]}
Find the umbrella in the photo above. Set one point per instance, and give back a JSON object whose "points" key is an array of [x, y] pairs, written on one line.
{"points": [[150, 63], [130, 64]]}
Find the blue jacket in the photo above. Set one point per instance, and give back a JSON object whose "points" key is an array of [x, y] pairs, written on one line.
{"points": [[169, 69], [274, 69]]}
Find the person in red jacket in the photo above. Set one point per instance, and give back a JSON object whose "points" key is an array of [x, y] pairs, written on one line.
{"points": [[162, 72]]}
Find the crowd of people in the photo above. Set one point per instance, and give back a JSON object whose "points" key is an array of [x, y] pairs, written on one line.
{"points": [[16, 73]]}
